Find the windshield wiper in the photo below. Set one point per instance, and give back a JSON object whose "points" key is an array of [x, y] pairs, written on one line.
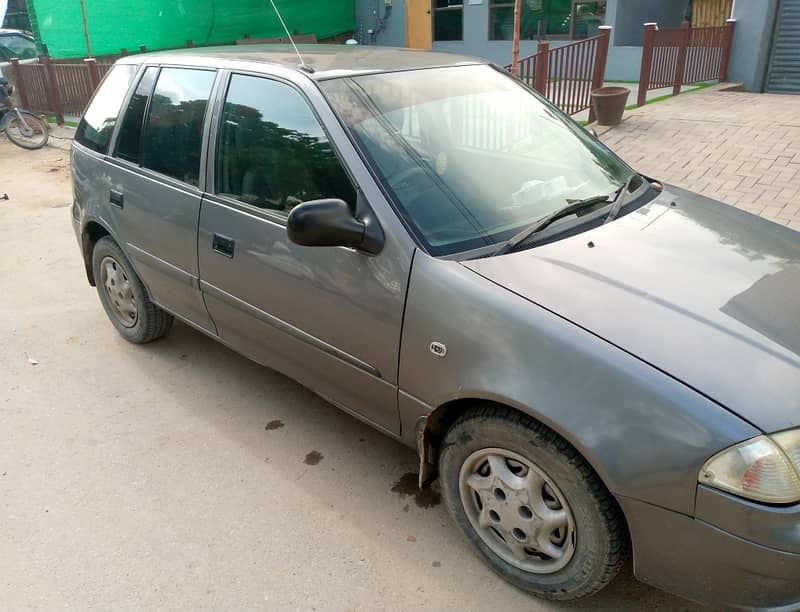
{"points": [[570, 209], [622, 196]]}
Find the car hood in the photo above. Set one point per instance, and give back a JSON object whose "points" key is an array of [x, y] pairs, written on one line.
{"points": [[700, 290]]}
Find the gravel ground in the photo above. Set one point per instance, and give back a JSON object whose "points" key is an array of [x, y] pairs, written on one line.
{"points": [[181, 476]]}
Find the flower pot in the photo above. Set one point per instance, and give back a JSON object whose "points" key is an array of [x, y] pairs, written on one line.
{"points": [[609, 104]]}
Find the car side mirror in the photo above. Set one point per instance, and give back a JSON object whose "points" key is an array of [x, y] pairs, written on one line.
{"points": [[331, 222]]}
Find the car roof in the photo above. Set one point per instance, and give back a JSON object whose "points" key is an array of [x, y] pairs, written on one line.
{"points": [[327, 61]]}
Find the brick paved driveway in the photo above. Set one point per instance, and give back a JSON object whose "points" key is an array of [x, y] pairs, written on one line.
{"points": [[740, 148]]}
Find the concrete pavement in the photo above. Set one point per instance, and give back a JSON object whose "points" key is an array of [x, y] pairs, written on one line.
{"points": [[737, 147]]}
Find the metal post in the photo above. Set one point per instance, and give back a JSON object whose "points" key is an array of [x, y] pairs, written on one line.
{"points": [[727, 42], [647, 61], [52, 90], [600, 59], [517, 26], [85, 29], [680, 64], [541, 67], [22, 87], [94, 73]]}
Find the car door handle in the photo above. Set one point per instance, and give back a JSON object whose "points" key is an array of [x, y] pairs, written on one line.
{"points": [[223, 245], [115, 197]]}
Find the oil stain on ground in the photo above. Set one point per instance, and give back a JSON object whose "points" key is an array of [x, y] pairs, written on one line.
{"points": [[408, 486], [313, 458], [272, 425]]}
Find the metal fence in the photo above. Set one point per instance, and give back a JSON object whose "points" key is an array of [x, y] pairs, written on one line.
{"points": [[64, 87], [566, 75], [60, 89], [672, 57]]}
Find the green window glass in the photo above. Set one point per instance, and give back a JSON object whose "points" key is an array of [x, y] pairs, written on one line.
{"points": [[540, 19], [448, 20]]}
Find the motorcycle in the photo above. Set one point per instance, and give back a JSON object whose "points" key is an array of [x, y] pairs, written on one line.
{"points": [[24, 128]]}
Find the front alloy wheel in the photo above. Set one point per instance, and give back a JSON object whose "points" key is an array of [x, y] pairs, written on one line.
{"points": [[530, 505], [518, 511]]}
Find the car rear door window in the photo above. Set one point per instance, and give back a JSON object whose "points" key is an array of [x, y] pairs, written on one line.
{"points": [[272, 151], [94, 130], [173, 132], [129, 139]]}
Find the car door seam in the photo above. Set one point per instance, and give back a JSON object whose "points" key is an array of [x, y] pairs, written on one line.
{"points": [[291, 330]]}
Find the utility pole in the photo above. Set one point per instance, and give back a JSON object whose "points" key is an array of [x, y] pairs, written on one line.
{"points": [[86, 29], [517, 26]]}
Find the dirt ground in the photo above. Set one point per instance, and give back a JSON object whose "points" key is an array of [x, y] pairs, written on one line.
{"points": [[179, 475]]}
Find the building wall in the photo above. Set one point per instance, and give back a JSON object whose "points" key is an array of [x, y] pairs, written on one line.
{"points": [[752, 40], [624, 55], [631, 15]]}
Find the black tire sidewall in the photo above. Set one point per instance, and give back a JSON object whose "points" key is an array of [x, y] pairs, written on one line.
{"points": [[588, 564], [106, 247]]}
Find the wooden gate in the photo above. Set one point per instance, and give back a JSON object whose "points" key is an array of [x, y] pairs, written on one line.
{"points": [[672, 57], [710, 13]]}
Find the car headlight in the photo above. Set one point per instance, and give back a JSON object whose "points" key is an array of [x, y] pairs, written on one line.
{"points": [[765, 469]]}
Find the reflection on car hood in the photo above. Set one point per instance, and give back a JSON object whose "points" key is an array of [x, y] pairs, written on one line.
{"points": [[705, 292]]}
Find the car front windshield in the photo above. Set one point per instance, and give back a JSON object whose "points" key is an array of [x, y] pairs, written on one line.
{"points": [[468, 155]]}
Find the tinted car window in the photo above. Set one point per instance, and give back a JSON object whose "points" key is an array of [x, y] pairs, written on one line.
{"points": [[18, 46], [94, 130], [272, 151], [174, 127], [130, 131]]}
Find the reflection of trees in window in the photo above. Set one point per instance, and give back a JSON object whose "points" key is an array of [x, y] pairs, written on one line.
{"points": [[270, 166], [174, 136]]}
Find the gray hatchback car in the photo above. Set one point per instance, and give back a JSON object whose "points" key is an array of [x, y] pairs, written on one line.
{"points": [[591, 362]]}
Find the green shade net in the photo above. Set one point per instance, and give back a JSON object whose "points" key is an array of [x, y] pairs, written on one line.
{"points": [[160, 24]]}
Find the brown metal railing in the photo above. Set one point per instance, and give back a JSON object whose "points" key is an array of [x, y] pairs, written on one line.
{"points": [[673, 57], [61, 89], [64, 87], [567, 75]]}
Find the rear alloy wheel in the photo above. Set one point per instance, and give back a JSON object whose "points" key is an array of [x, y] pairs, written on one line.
{"points": [[124, 296], [530, 505], [120, 291]]}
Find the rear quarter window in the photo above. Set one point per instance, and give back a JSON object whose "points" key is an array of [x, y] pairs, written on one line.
{"points": [[97, 125]]}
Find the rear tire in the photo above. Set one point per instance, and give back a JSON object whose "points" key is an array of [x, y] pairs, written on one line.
{"points": [[124, 297], [517, 489], [15, 132]]}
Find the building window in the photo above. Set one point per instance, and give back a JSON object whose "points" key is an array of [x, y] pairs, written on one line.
{"points": [[448, 19], [586, 19], [546, 19]]}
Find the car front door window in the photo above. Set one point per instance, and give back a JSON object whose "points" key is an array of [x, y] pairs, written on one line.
{"points": [[272, 152]]}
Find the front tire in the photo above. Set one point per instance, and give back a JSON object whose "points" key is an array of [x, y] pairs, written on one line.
{"points": [[530, 505], [32, 132], [124, 297]]}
